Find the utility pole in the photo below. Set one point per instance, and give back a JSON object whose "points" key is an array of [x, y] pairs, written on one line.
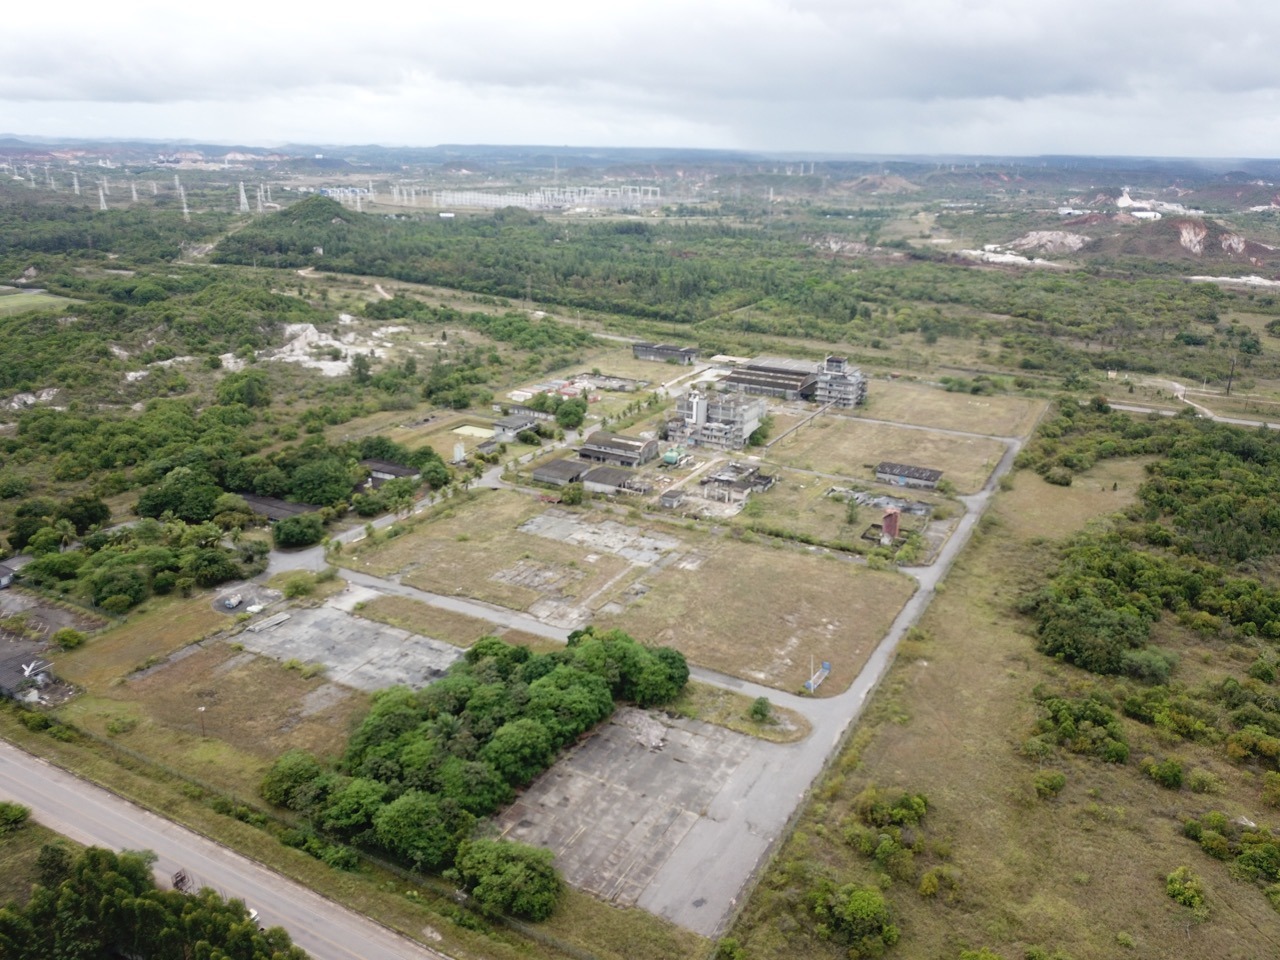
{"points": [[1231, 376]]}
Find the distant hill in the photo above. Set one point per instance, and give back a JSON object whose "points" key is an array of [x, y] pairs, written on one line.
{"points": [[1180, 238]]}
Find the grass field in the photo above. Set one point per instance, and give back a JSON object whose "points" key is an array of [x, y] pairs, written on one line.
{"points": [[11, 303], [1034, 508], [762, 612], [1083, 873], [417, 617], [851, 448], [728, 709], [997, 416], [473, 547], [254, 709], [158, 628]]}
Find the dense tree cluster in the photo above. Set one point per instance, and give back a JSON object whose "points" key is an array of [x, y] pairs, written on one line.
{"points": [[118, 569], [424, 765], [103, 904], [1204, 524]]}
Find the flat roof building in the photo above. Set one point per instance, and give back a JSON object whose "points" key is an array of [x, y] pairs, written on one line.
{"points": [[505, 429], [905, 475], [614, 448], [560, 472], [611, 480], [781, 377], [275, 509], [662, 352]]}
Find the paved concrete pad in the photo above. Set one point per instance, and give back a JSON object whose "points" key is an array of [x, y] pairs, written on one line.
{"points": [[607, 536], [615, 808], [358, 653]]}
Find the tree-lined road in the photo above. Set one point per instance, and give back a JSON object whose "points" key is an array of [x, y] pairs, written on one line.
{"points": [[95, 817]]}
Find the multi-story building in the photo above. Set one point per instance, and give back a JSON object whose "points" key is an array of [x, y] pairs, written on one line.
{"points": [[722, 421]]}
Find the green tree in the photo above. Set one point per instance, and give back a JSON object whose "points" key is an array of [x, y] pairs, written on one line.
{"points": [[249, 388], [519, 750], [423, 829], [300, 531], [511, 878]]}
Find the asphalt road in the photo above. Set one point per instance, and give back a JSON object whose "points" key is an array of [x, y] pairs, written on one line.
{"points": [[95, 817]]}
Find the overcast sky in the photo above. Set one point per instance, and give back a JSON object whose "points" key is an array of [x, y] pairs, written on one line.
{"points": [[1168, 78]]}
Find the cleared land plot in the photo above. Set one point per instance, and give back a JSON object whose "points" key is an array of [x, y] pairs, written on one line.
{"points": [[1034, 508], [475, 548], [996, 416], [221, 715], [166, 625], [852, 448], [614, 808], [761, 613], [730, 709], [620, 362], [11, 303], [355, 652]]}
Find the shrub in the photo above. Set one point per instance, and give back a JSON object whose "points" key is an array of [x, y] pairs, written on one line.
{"points": [[855, 915], [12, 816], [68, 639], [288, 775], [1271, 788], [761, 710], [1049, 783], [302, 585], [1184, 887], [1202, 781], [35, 721], [1167, 773], [303, 530]]}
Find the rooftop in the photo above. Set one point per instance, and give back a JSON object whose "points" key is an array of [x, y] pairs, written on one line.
{"points": [[274, 509], [566, 471], [925, 474], [395, 469], [616, 441]]}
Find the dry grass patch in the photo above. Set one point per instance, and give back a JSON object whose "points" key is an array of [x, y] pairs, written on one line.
{"points": [[997, 416], [165, 625], [761, 613], [1034, 508], [472, 547], [851, 448], [627, 933], [1243, 408], [254, 710], [422, 618], [729, 709]]}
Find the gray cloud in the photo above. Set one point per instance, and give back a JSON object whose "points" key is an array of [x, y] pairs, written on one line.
{"points": [[945, 75]]}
